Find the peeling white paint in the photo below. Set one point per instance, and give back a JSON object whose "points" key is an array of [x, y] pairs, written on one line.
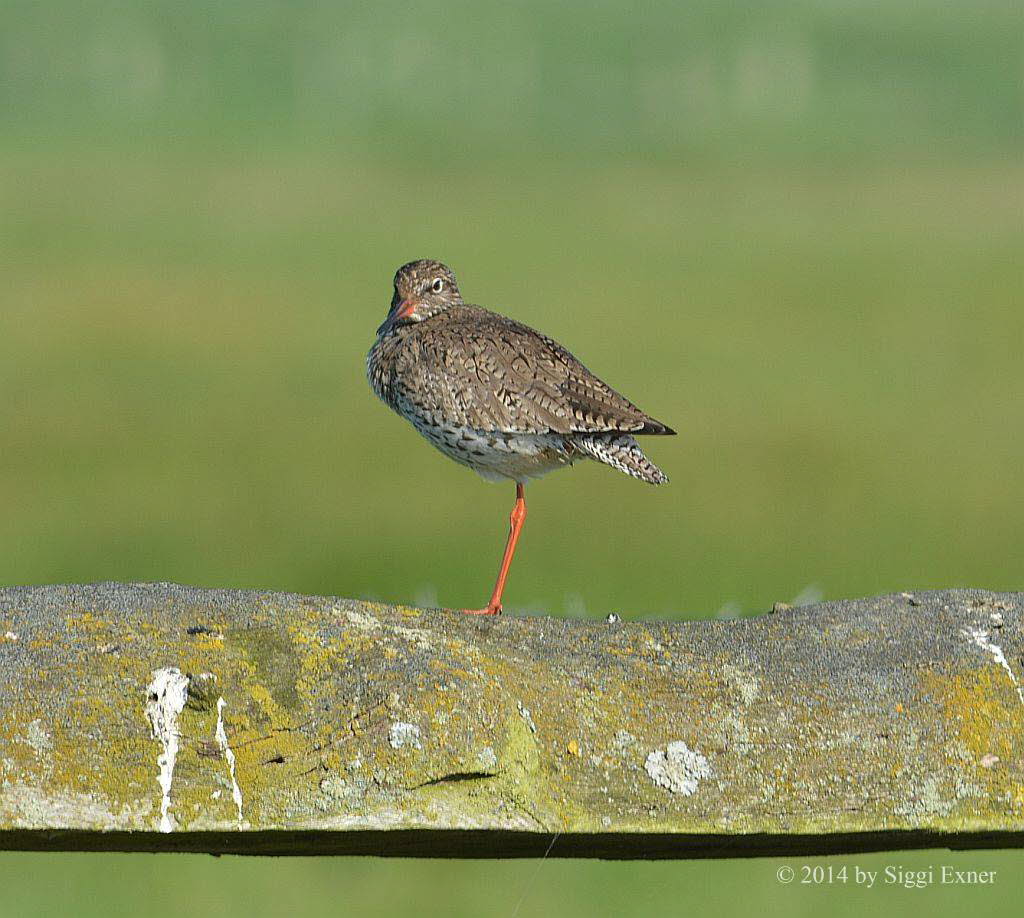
{"points": [[983, 640], [677, 768], [229, 755], [168, 693], [402, 734]]}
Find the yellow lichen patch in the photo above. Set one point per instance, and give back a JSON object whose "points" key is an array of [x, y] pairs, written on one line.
{"points": [[981, 709], [315, 663], [86, 621], [274, 659], [522, 778], [209, 643], [271, 751], [86, 744]]}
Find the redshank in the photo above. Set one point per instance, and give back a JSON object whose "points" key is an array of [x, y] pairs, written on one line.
{"points": [[494, 394]]}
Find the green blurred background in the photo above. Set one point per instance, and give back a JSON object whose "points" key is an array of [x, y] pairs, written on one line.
{"points": [[792, 231]]}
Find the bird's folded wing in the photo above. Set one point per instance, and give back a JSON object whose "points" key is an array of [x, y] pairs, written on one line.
{"points": [[497, 374]]}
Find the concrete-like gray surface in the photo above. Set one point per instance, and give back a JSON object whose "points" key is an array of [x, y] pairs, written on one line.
{"points": [[160, 717]]}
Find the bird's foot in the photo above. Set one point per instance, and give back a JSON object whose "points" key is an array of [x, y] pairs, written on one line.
{"points": [[493, 608]]}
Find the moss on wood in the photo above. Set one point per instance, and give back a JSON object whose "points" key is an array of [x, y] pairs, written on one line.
{"points": [[887, 722]]}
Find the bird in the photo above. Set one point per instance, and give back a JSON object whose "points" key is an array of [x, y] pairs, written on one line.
{"points": [[498, 396]]}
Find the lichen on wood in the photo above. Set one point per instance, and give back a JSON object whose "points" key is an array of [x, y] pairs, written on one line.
{"points": [[314, 724]]}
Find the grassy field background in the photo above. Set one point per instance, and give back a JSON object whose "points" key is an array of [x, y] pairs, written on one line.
{"points": [[793, 233]]}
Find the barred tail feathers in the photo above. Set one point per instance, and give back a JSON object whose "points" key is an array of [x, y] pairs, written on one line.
{"points": [[621, 452]]}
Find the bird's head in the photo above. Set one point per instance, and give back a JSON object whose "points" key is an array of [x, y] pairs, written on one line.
{"points": [[422, 289]]}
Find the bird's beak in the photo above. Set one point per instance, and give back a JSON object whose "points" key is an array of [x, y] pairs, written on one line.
{"points": [[402, 311]]}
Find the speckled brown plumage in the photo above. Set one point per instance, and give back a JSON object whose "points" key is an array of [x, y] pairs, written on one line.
{"points": [[497, 395]]}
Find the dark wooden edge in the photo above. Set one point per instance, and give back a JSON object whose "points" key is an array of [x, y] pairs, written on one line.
{"points": [[487, 843]]}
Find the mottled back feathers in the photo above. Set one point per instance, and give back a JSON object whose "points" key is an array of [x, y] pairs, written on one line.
{"points": [[482, 370]]}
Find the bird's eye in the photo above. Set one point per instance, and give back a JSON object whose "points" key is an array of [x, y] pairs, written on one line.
{"points": [[437, 286]]}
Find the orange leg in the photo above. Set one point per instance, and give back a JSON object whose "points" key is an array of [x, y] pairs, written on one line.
{"points": [[517, 518]]}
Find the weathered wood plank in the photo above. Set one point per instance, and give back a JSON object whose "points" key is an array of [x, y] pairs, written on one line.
{"points": [[163, 718]]}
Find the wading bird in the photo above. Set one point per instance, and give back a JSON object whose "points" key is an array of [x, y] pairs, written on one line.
{"points": [[496, 395]]}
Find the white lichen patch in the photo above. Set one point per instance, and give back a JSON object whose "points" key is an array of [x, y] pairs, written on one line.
{"points": [[927, 801], [623, 741], [418, 636], [167, 694], [486, 759], [743, 683], [362, 621], [525, 714], [733, 732], [677, 768], [401, 734], [222, 740], [339, 793], [28, 806], [38, 738], [984, 641]]}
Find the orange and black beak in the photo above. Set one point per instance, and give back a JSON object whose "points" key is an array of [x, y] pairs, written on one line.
{"points": [[400, 310]]}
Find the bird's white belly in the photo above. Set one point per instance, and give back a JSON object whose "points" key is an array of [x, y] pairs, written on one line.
{"points": [[500, 455]]}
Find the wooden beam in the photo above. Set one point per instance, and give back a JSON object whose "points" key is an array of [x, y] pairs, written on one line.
{"points": [[164, 718]]}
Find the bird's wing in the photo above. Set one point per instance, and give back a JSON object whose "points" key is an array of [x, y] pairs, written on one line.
{"points": [[494, 373]]}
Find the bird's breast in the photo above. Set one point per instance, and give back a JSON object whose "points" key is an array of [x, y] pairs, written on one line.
{"points": [[383, 369]]}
